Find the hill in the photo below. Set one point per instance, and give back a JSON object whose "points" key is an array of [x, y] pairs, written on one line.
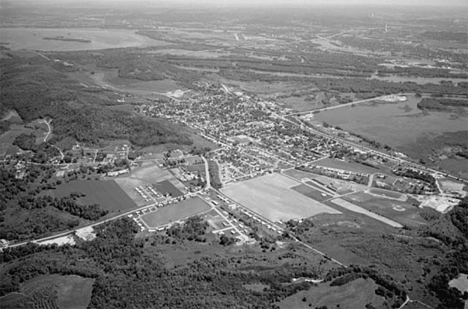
{"points": [[36, 89]]}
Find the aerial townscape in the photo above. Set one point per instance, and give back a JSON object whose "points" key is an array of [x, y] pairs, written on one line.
{"points": [[233, 154]]}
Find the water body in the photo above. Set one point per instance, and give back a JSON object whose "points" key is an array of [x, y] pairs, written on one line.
{"points": [[33, 39], [395, 124]]}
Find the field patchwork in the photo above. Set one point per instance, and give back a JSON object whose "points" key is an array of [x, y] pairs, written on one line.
{"points": [[271, 197]]}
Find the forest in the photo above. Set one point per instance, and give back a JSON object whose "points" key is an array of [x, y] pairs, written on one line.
{"points": [[35, 90]]}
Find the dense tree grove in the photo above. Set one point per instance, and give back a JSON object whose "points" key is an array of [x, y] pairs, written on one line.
{"points": [[127, 276], [68, 204], [456, 259]]}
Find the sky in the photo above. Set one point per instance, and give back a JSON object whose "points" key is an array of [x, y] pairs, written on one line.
{"points": [[296, 3]]}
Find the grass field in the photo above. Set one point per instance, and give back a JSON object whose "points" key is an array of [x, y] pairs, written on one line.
{"points": [[175, 212], [388, 194], [107, 194], [73, 291], [271, 197], [355, 294], [349, 166], [311, 192], [166, 187], [351, 206], [299, 175], [398, 211]]}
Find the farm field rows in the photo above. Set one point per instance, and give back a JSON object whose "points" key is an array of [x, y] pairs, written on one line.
{"points": [[107, 194], [271, 197], [175, 212]]}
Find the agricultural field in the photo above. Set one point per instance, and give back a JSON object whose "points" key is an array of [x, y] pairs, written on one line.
{"points": [[175, 212], [398, 211], [355, 294], [344, 165], [271, 197], [106, 193]]}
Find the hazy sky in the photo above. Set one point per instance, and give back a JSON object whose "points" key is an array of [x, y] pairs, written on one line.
{"points": [[266, 2]]}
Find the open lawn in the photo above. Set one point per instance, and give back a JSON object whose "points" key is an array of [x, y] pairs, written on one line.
{"points": [[398, 211], [107, 194], [175, 212], [349, 166], [271, 197], [355, 294]]}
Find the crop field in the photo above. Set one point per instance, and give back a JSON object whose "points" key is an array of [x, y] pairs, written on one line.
{"points": [[349, 166], [355, 294], [312, 193], [398, 211], [271, 197], [32, 39], [107, 194], [175, 212]]}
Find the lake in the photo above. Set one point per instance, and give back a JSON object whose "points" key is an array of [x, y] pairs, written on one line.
{"points": [[33, 39]]}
